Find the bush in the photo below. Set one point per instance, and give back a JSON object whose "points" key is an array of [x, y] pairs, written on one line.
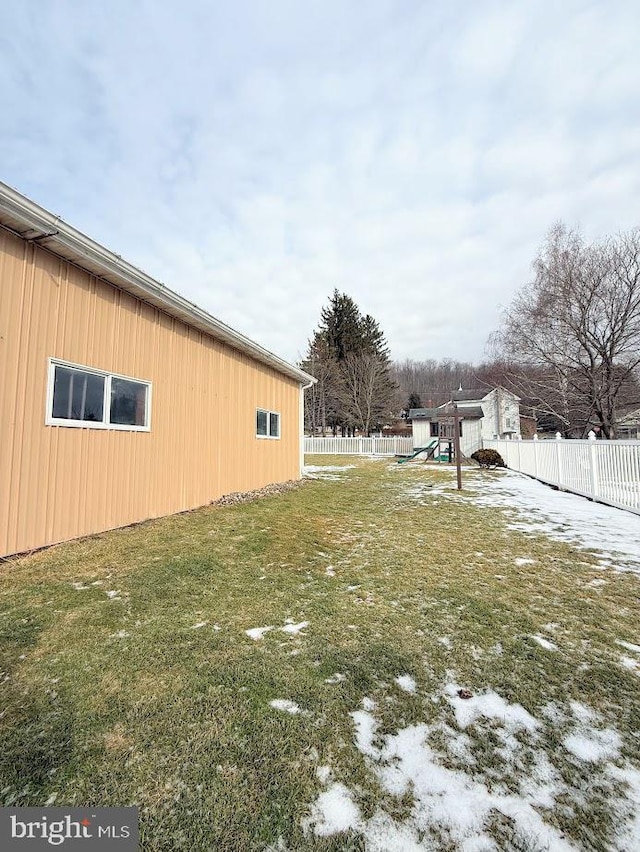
{"points": [[488, 458]]}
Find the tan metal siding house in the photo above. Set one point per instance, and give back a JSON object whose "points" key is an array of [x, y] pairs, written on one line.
{"points": [[119, 400]]}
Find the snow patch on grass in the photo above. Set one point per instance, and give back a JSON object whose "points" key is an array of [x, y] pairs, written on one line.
{"points": [[489, 705], [456, 799], [406, 683], [562, 516], [635, 649], [544, 643], [326, 471], [285, 705], [594, 745], [294, 629], [257, 633], [446, 802], [333, 811]]}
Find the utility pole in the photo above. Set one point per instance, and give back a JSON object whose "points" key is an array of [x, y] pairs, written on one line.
{"points": [[456, 444]]}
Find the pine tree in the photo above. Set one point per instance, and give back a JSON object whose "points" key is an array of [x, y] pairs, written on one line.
{"points": [[349, 356], [414, 401]]}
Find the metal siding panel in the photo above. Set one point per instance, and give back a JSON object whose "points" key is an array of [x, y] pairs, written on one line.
{"points": [[58, 483]]}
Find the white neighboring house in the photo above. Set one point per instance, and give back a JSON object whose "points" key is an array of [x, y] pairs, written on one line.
{"points": [[485, 414], [628, 426]]}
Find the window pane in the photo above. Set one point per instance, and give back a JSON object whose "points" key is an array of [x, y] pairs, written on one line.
{"points": [[128, 402], [78, 395], [274, 424], [261, 423]]}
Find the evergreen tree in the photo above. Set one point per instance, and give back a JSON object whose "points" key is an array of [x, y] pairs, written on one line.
{"points": [[349, 356], [414, 401], [340, 325]]}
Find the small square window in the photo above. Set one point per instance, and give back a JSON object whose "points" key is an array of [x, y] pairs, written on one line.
{"points": [[267, 423]]}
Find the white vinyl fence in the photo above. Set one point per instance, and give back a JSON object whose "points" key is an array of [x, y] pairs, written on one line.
{"points": [[359, 446], [607, 471]]}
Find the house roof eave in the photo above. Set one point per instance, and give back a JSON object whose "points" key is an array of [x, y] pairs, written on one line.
{"points": [[33, 223]]}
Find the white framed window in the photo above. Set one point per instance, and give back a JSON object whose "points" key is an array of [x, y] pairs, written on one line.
{"points": [[267, 423], [93, 399]]}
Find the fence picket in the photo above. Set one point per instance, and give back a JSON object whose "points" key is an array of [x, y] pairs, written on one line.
{"points": [[606, 471], [359, 446]]}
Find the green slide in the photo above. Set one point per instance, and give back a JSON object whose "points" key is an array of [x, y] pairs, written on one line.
{"points": [[430, 448]]}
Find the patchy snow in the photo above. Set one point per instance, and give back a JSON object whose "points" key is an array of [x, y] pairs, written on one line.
{"points": [[285, 705], [324, 774], [257, 633], [325, 471], [330, 571], [635, 649], [454, 801], [365, 726], [544, 643], [338, 677], [294, 629], [199, 625], [488, 705], [406, 683], [628, 835], [537, 508], [112, 595], [594, 745], [523, 560], [79, 587], [121, 634], [333, 811], [446, 802]]}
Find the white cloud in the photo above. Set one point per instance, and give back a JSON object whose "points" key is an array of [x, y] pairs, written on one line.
{"points": [[255, 156]]}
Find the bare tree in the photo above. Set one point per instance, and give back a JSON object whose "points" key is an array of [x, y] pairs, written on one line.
{"points": [[433, 381], [366, 391], [573, 335]]}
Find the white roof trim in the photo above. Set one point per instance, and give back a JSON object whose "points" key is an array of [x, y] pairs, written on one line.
{"points": [[33, 223]]}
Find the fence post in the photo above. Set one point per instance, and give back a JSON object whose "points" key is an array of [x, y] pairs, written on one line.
{"points": [[535, 455], [559, 456], [593, 456]]}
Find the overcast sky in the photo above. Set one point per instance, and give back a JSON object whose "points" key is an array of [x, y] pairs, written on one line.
{"points": [[253, 156]]}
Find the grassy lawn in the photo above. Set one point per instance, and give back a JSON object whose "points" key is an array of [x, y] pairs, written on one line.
{"points": [[128, 677]]}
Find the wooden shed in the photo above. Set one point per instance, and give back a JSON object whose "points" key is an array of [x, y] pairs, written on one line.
{"points": [[119, 399]]}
